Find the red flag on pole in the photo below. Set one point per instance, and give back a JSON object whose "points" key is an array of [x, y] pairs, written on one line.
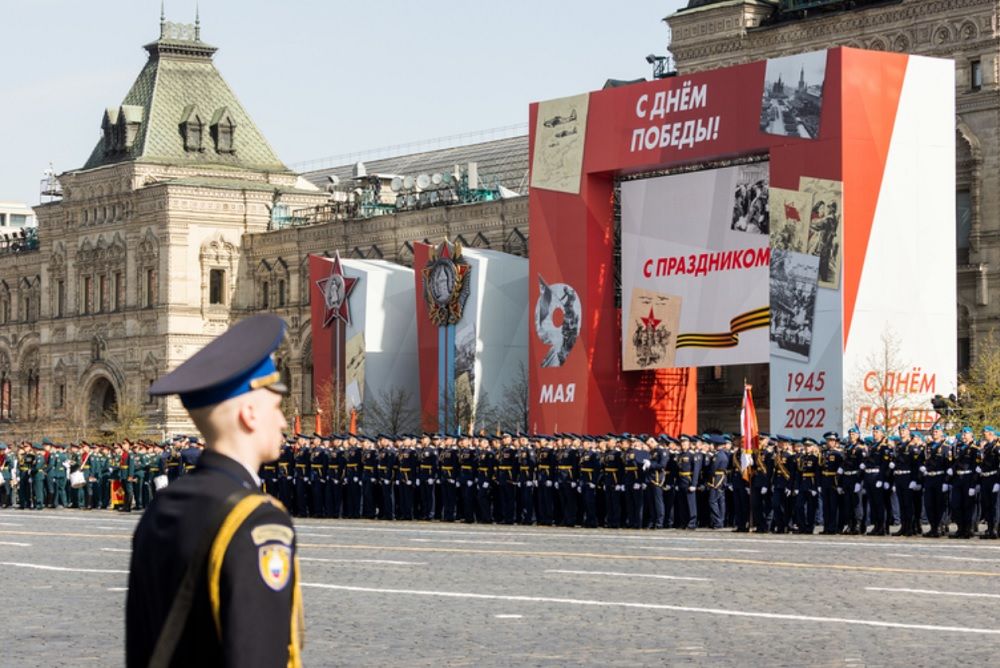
{"points": [[298, 424], [319, 422], [791, 213], [748, 431], [354, 421]]}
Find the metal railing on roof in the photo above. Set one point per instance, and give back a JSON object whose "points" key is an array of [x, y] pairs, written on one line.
{"points": [[399, 150]]}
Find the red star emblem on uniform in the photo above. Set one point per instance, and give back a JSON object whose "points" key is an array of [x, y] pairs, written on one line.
{"points": [[336, 290], [651, 321]]}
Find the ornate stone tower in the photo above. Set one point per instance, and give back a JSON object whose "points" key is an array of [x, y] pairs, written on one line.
{"points": [[139, 259]]}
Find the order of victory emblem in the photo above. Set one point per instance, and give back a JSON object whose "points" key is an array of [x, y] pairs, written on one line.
{"points": [[446, 286]]}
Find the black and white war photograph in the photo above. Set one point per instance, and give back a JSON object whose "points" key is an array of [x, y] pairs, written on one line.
{"points": [[751, 212], [825, 227], [793, 95], [793, 303]]}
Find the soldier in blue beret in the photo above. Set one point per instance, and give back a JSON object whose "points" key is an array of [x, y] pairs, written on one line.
{"points": [[989, 481], [212, 533]]}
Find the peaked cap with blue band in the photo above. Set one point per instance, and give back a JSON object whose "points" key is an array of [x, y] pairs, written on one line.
{"points": [[236, 362]]}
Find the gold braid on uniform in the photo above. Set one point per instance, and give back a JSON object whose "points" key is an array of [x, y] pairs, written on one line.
{"points": [[296, 640], [234, 520]]}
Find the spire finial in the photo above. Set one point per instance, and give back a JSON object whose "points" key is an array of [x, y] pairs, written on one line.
{"points": [[163, 19], [197, 22]]}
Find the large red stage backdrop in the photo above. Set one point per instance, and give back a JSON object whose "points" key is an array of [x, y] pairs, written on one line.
{"points": [[578, 147]]}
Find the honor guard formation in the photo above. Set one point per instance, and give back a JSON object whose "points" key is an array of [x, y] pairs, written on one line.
{"points": [[919, 483]]}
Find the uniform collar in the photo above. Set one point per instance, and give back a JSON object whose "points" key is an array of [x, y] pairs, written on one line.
{"points": [[213, 460]]}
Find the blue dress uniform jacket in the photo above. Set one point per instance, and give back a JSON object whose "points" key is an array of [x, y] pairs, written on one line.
{"points": [[257, 577]]}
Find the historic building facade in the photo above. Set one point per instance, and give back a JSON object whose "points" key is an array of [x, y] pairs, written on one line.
{"points": [[161, 240], [716, 33]]}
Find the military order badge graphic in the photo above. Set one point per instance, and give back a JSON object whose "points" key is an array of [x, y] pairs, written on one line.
{"points": [[446, 286], [336, 289]]}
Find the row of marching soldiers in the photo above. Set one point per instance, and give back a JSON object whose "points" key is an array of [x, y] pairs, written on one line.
{"points": [[853, 485], [88, 476]]}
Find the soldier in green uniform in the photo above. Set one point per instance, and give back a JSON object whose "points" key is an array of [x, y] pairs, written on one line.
{"points": [[7, 475], [127, 474], [56, 474], [84, 495], [38, 475], [25, 464], [154, 460], [141, 464], [103, 466]]}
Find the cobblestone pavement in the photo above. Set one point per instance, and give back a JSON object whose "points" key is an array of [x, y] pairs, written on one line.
{"points": [[453, 594]]}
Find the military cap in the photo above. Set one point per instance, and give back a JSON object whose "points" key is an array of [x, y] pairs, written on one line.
{"points": [[47, 441], [966, 430], [937, 427], [684, 437], [879, 427], [904, 425], [808, 440], [990, 430], [236, 362], [831, 436], [854, 430]]}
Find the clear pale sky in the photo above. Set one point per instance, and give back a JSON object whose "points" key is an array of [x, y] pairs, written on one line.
{"points": [[319, 77]]}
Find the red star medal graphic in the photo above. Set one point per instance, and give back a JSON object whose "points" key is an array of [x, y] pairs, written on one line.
{"points": [[336, 290], [651, 321]]}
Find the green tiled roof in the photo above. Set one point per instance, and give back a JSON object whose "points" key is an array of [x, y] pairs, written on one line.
{"points": [[178, 81]]}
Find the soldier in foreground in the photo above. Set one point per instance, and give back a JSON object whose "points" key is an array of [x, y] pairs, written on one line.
{"points": [[213, 579]]}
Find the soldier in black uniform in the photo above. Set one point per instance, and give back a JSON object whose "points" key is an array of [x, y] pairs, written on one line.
{"points": [[851, 510], [760, 484], [831, 489], [590, 475], [965, 478], [485, 475], [406, 475], [935, 471], [807, 466], [688, 472], [656, 477], [566, 475], [212, 535], [507, 480], [718, 479], [782, 484], [613, 465], [335, 478], [741, 488], [545, 481], [526, 465], [906, 466], [989, 481], [303, 475], [448, 466], [427, 473]]}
